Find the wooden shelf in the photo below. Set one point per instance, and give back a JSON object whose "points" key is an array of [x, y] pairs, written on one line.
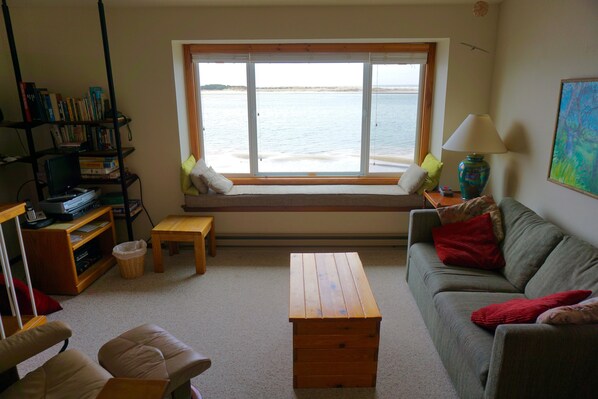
{"points": [[57, 274], [11, 326]]}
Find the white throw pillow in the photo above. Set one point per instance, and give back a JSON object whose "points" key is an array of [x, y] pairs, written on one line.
{"points": [[216, 181], [413, 178], [199, 169]]}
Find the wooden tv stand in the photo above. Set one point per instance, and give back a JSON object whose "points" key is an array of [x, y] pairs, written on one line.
{"points": [[50, 252]]}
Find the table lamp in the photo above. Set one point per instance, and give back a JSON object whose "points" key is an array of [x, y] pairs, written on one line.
{"points": [[477, 136]]}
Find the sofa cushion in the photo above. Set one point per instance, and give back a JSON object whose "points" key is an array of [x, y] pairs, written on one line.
{"points": [[524, 310], [573, 265], [440, 278], [475, 343], [470, 243], [524, 229]]}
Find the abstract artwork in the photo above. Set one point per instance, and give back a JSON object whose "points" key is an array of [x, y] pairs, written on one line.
{"points": [[574, 161]]}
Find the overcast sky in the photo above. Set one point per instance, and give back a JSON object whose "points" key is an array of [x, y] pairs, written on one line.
{"points": [[302, 75]]}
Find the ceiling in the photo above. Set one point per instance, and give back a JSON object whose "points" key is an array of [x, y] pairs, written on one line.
{"points": [[211, 3]]}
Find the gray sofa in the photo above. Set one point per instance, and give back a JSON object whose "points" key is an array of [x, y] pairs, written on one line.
{"points": [[517, 360]]}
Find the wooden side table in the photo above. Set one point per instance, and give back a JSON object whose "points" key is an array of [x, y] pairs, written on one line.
{"points": [[186, 229], [133, 388], [437, 200]]}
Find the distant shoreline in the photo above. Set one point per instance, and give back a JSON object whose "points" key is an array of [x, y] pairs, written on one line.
{"points": [[229, 89]]}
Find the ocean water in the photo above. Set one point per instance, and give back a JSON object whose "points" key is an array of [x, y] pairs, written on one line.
{"points": [[308, 131]]}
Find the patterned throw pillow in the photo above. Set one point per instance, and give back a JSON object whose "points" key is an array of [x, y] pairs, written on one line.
{"points": [[199, 169], [585, 312], [472, 208], [216, 181]]}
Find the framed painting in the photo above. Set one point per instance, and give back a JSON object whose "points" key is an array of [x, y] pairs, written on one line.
{"points": [[574, 162]]}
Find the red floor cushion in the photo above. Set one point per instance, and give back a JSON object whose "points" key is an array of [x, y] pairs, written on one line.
{"points": [[44, 304]]}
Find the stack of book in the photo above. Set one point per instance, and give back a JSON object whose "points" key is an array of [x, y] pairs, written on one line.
{"points": [[99, 167], [41, 105], [90, 137], [115, 200]]}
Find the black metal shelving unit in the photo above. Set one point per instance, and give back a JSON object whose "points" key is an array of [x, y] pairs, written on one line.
{"points": [[114, 122]]}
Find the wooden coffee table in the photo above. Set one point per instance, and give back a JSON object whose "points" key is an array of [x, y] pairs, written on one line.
{"points": [[336, 322]]}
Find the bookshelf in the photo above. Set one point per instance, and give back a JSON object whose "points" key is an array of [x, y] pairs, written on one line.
{"points": [[108, 118]]}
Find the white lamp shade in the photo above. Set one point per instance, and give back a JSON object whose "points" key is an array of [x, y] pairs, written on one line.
{"points": [[476, 134]]}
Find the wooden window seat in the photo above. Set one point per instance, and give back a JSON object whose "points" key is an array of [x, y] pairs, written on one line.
{"points": [[305, 198]]}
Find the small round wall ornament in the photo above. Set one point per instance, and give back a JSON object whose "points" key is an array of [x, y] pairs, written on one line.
{"points": [[480, 8]]}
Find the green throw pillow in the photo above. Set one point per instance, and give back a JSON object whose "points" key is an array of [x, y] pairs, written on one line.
{"points": [[434, 168], [186, 185]]}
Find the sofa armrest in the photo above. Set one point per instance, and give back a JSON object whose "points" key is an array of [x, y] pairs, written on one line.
{"points": [[421, 222], [543, 361], [28, 343]]}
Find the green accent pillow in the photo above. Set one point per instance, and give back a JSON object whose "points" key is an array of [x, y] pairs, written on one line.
{"points": [[434, 168], [186, 185]]}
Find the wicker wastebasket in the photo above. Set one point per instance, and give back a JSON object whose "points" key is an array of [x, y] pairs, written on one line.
{"points": [[130, 257]]}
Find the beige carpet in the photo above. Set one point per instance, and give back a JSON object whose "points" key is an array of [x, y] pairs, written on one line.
{"points": [[237, 314]]}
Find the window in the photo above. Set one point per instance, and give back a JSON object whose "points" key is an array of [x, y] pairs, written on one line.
{"points": [[315, 111]]}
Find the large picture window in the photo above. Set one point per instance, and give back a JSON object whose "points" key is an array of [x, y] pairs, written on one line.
{"points": [[309, 114]]}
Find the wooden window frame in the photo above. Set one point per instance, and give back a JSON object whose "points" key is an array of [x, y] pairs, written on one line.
{"points": [[427, 91]]}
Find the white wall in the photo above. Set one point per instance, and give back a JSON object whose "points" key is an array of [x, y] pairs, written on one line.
{"points": [[60, 48], [539, 43]]}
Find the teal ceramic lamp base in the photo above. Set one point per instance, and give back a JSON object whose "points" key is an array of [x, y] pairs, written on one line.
{"points": [[473, 176]]}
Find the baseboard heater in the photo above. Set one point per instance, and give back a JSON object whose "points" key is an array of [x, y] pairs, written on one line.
{"points": [[311, 240]]}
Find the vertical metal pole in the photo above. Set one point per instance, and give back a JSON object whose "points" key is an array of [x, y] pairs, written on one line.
{"points": [[114, 117], [18, 80], [10, 288], [26, 267]]}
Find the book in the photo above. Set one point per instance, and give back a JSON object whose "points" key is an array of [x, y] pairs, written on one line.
{"points": [[84, 164], [98, 159], [120, 208], [27, 111], [54, 98], [132, 212], [112, 175], [98, 171]]}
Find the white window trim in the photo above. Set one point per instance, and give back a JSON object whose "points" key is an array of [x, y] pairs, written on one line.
{"points": [[367, 59]]}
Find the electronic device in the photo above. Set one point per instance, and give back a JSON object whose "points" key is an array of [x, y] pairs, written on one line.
{"points": [[54, 205], [77, 212], [34, 219], [62, 174], [86, 256]]}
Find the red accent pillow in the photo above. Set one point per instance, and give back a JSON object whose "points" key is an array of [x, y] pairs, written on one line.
{"points": [[471, 243], [43, 303], [524, 310]]}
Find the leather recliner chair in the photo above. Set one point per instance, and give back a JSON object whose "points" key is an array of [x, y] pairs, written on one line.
{"points": [[72, 374]]}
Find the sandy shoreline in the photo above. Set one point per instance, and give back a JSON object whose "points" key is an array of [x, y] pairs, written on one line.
{"points": [[384, 90]]}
